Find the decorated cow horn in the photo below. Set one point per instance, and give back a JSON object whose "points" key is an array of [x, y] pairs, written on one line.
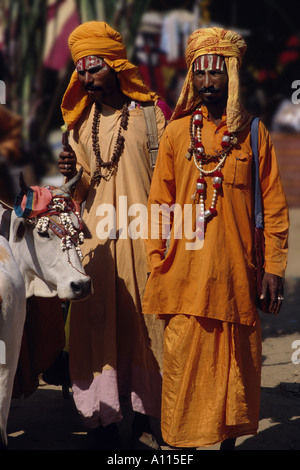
{"points": [[70, 185], [23, 185]]}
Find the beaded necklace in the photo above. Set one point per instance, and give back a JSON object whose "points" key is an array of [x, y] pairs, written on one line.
{"points": [[197, 151], [110, 166]]}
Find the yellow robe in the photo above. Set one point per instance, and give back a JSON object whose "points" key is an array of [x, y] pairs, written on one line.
{"points": [[114, 350], [206, 291]]}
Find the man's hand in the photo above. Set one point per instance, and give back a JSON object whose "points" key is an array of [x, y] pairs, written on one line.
{"points": [[67, 162], [273, 285]]}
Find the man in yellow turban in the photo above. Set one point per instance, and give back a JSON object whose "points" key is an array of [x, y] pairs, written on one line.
{"points": [[115, 352], [204, 286]]}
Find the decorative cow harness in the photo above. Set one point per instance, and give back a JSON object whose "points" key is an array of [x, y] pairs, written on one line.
{"points": [[56, 203], [62, 206]]}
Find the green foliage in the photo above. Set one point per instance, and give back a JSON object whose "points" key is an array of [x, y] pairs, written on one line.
{"points": [[24, 31]]}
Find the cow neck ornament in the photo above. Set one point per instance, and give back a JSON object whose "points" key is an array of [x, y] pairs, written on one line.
{"points": [[200, 158], [111, 165], [70, 235]]}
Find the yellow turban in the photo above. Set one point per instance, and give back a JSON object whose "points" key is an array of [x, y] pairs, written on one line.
{"points": [[98, 38], [225, 43]]}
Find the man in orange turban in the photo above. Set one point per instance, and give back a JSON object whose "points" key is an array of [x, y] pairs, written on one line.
{"points": [[204, 286], [115, 352]]}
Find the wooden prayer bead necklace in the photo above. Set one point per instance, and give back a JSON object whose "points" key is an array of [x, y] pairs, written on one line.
{"points": [[111, 165], [197, 151]]}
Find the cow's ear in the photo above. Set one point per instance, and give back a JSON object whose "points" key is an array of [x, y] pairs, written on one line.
{"points": [[18, 230]]}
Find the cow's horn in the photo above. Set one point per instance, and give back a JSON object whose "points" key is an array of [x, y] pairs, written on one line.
{"points": [[69, 185], [23, 185]]}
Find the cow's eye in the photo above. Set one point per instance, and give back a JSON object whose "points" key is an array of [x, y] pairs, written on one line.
{"points": [[44, 234]]}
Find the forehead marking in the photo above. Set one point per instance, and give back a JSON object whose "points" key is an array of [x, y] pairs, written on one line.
{"points": [[209, 62], [89, 62]]}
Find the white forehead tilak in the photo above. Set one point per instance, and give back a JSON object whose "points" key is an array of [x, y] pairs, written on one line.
{"points": [[209, 62]]}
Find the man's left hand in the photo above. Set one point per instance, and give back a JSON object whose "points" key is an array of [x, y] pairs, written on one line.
{"points": [[274, 286]]}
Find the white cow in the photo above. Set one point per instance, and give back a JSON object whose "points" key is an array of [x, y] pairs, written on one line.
{"points": [[12, 317], [41, 257]]}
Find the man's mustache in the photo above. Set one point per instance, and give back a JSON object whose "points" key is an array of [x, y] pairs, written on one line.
{"points": [[209, 89], [93, 88]]}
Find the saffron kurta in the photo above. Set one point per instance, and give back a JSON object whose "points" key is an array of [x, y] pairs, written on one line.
{"points": [[207, 290], [114, 350]]}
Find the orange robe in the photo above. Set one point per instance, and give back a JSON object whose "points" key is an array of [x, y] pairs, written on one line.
{"points": [[114, 350], [211, 284]]}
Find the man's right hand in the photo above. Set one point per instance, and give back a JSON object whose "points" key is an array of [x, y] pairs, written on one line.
{"points": [[67, 162]]}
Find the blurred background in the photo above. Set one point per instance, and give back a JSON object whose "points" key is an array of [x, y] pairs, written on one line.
{"points": [[35, 67]]}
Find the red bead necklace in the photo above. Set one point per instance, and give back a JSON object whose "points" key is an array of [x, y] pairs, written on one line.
{"points": [[200, 158]]}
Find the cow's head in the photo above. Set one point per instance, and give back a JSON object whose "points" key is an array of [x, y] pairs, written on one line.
{"points": [[46, 242]]}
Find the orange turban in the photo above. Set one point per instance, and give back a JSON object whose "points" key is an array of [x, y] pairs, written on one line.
{"points": [[98, 38], [225, 43]]}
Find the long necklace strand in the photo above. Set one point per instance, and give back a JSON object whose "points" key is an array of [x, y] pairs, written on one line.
{"points": [[111, 165], [200, 158]]}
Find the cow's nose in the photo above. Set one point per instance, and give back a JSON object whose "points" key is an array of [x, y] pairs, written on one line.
{"points": [[82, 288]]}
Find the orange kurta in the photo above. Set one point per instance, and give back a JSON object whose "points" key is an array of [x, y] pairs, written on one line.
{"points": [[206, 291], [217, 280]]}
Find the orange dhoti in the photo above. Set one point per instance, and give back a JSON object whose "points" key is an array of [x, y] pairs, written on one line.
{"points": [[211, 381]]}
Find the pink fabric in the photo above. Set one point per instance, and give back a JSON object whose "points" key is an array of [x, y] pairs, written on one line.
{"points": [[41, 199], [87, 400], [98, 402], [165, 109]]}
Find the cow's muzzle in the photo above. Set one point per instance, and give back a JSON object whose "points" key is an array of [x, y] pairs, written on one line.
{"points": [[81, 289]]}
